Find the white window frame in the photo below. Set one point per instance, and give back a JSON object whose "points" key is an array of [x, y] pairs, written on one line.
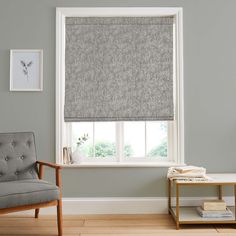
{"points": [[176, 129]]}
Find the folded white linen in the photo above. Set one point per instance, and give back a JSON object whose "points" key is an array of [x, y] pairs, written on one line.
{"points": [[192, 179], [191, 172], [186, 169]]}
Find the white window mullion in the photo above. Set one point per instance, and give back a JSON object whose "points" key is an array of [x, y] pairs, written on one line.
{"points": [[69, 138], [145, 139], [170, 141], [67, 142], [119, 141], [122, 141], [93, 139]]}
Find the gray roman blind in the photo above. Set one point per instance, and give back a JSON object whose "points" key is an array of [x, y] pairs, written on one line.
{"points": [[119, 69]]}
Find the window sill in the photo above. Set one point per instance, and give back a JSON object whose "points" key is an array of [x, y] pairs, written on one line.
{"points": [[128, 164]]}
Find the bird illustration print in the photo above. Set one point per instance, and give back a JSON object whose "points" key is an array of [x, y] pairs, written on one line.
{"points": [[26, 67]]}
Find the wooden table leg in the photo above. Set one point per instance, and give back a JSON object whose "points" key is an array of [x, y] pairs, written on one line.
{"points": [[177, 206], [169, 196], [235, 201], [220, 192]]}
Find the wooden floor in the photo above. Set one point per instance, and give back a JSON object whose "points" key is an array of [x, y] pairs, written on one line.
{"points": [[119, 225]]}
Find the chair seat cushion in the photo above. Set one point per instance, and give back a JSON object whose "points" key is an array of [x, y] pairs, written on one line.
{"points": [[26, 192]]}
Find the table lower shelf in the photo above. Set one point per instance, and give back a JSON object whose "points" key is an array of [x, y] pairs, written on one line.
{"points": [[189, 215]]}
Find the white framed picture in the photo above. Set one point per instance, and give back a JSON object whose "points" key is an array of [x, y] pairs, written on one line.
{"points": [[26, 70]]}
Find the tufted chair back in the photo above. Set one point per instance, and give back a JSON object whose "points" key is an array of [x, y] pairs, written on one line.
{"points": [[17, 156]]}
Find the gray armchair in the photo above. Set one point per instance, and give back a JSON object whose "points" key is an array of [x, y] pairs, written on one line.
{"points": [[21, 184]]}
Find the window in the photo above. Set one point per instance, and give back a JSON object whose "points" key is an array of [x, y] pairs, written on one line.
{"points": [[124, 142], [121, 141]]}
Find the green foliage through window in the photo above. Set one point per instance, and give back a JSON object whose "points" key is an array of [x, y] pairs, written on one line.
{"points": [[108, 149], [104, 149], [160, 150]]}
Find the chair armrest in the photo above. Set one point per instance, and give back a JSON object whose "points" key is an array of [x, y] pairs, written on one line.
{"points": [[49, 164], [52, 165]]}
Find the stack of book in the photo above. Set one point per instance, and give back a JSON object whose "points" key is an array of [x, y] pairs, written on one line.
{"points": [[67, 156], [214, 209]]}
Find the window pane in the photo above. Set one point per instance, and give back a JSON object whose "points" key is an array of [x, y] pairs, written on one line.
{"points": [[134, 139], [105, 139], [82, 137], [157, 139], [97, 141]]}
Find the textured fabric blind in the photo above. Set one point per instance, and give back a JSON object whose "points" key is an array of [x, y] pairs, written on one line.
{"points": [[119, 69]]}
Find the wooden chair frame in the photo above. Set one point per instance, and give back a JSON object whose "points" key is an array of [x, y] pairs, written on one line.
{"points": [[57, 203]]}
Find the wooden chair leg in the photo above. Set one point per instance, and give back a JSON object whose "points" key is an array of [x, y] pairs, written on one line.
{"points": [[59, 217], [36, 215]]}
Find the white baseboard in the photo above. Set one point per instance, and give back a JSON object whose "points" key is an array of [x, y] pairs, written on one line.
{"points": [[147, 205]]}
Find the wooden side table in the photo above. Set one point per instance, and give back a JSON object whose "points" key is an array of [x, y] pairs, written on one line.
{"points": [[189, 215]]}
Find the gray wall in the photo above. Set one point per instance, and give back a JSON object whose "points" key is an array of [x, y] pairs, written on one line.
{"points": [[209, 82]]}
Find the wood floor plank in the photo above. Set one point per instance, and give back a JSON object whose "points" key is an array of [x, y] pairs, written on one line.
{"points": [[166, 234], [37, 231], [100, 230], [38, 223], [107, 225], [91, 217], [129, 222], [142, 229], [41, 234], [118, 217]]}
